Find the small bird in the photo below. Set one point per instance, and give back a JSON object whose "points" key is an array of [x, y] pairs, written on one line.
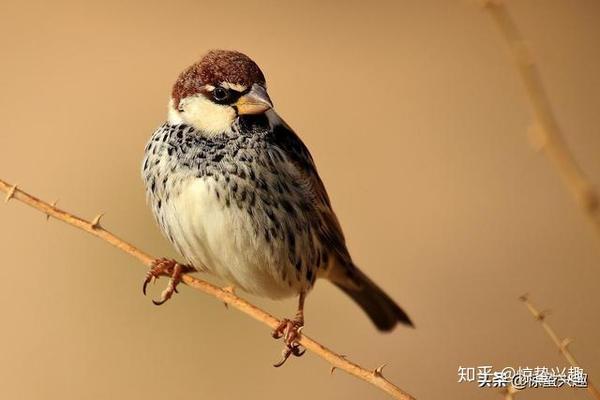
{"points": [[237, 193]]}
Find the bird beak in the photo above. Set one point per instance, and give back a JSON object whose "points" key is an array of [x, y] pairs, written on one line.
{"points": [[256, 101]]}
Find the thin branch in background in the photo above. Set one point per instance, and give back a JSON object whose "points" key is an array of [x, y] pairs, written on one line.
{"points": [[562, 344], [374, 377], [509, 393], [548, 136]]}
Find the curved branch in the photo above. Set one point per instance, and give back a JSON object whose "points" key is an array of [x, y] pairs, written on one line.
{"points": [[93, 227], [562, 344], [547, 131]]}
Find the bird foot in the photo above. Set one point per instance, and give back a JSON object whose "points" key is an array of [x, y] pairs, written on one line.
{"points": [[170, 268], [290, 331]]}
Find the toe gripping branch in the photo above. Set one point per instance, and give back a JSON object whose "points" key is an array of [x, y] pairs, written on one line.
{"points": [[170, 268], [290, 331]]}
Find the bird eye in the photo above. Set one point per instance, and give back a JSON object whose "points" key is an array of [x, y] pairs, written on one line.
{"points": [[220, 94]]}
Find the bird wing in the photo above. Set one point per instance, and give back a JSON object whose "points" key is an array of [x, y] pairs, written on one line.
{"points": [[380, 307], [329, 228]]}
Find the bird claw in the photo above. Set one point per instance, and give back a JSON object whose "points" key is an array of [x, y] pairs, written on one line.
{"points": [[166, 267], [290, 332], [295, 349]]}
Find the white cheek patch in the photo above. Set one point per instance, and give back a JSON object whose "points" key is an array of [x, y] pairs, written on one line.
{"points": [[173, 116], [205, 116]]}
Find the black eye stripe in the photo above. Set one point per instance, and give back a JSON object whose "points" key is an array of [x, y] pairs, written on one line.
{"points": [[221, 95]]}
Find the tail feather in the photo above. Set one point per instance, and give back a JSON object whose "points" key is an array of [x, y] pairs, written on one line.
{"points": [[380, 307]]}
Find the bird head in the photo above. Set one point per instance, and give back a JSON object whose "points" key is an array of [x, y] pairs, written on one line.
{"points": [[212, 93]]}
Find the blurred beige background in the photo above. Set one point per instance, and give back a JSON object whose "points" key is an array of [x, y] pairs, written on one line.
{"points": [[417, 122]]}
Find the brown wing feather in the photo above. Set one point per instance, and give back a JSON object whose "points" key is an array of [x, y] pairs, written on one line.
{"points": [[380, 307], [330, 230]]}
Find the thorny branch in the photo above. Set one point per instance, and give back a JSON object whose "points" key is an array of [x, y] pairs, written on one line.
{"points": [[374, 377], [546, 131], [562, 344], [546, 136]]}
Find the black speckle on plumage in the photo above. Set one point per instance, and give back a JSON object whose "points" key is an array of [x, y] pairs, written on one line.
{"points": [[265, 199], [309, 274], [291, 238], [287, 207], [274, 231], [269, 212], [324, 258], [277, 225], [263, 185]]}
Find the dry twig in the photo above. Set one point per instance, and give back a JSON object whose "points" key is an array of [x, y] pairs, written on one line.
{"points": [[373, 377], [509, 393], [562, 344], [548, 136]]}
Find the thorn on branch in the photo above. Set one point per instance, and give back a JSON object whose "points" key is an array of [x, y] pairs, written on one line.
{"points": [[541, 315], [564, 344], [524, 297], [378, 371], [96, 221], [231, 290], [53, 206], [333, 367], [10, 193]]}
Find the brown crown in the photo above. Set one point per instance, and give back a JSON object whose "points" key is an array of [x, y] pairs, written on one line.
{"points": [[215, 67]]}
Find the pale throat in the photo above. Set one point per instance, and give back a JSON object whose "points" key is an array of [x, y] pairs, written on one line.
{"points": [[205, 116]]}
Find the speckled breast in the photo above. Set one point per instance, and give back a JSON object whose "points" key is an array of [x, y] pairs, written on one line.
{"points": [[234, 205]]}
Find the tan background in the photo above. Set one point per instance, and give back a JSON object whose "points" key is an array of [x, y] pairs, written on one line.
{"points": [[417, 123]]}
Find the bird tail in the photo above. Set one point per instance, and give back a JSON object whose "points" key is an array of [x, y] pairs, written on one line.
{"points": [[380, 308]]}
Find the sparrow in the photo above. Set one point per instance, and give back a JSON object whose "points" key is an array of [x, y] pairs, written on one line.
{"points": [[237, 193]]}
